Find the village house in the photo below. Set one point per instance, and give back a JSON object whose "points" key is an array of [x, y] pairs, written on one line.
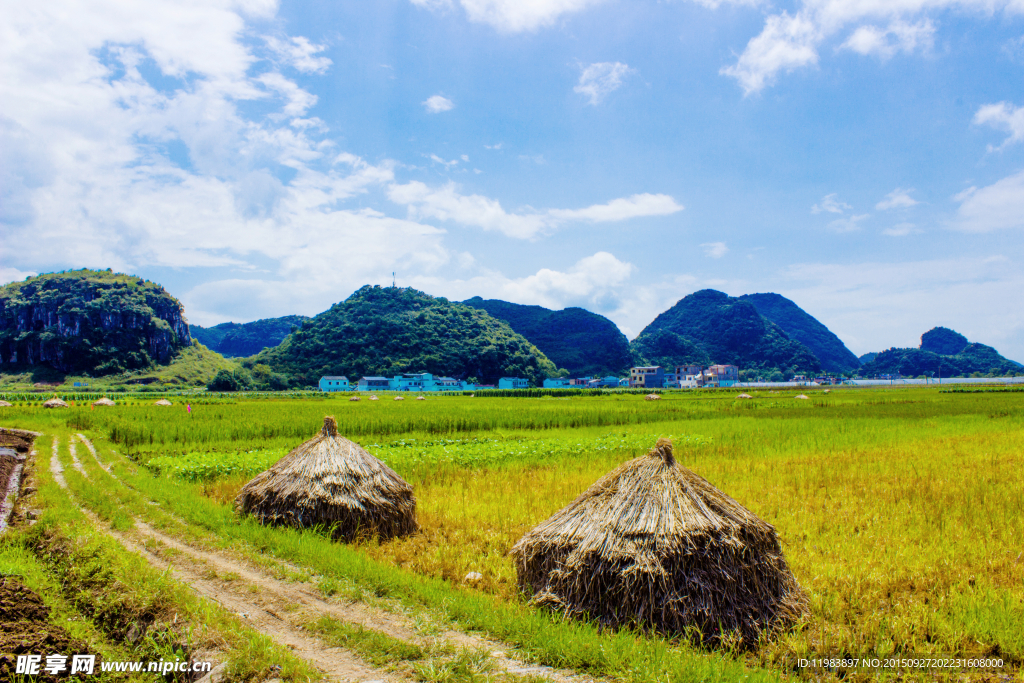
{"points": [[721, 376], [373, 384], [334, 383], [513, 383], [413, 381], [647, 377]]}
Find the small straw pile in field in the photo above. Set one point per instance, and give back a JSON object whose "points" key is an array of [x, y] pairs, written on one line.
{"points": [[162, 402], [55, 403], [354, 398], [399, 398], [652, 397], [802, 397], [655, 546], [421, 398], [744, 396], [373, 398], [5, 404], [332, 482], [103, 402]]}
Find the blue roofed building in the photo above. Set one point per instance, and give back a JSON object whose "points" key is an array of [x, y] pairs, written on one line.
{"points": [[557, 383], [412, 381], [513, 383], [373, 384]]}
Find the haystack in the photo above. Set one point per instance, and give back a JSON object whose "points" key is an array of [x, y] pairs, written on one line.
{"points": [[354, 398], [399, 398], [332, 482], [373, 398], [744, 396], [5, 404], [55, 403], [163, 402], [103, 402], [421, 398], [655, 546], [652, 397], [802, 397]]}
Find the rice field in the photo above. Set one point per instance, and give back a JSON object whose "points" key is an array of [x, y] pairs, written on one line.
{"points": [[900, 511]]}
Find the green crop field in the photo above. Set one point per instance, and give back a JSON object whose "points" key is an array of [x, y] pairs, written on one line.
{"points": [[900, 511]]}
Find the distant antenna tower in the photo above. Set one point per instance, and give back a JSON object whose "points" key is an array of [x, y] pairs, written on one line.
{"points": [[393, 280]]}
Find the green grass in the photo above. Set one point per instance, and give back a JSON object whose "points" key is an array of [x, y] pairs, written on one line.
{"points": [[85, 572], [899, 510], [372, 646]]}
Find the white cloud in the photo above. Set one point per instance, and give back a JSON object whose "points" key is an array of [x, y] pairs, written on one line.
{"points": [[599, 282], [873, 306], [899, 36], [84, 133], [999, 206], [512, 16], [598, 80], [897, 199], [495, 147], [446, 203], [14, 275], [847, 224], [298, 52], [715, 249], [791, 41], [436, 104], [447, 164], [299, 100], [635, 206], [1005, 117], [901, 230], [786, 43], [830, 204]]}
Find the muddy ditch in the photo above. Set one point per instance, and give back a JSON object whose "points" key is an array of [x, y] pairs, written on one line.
{"points": [[25, 629], [14, 448]]}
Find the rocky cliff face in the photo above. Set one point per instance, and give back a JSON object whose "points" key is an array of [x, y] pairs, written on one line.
{"points": [[85, 321]]}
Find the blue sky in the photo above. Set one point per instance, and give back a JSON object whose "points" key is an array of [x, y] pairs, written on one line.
{"points": [[862, 157]]}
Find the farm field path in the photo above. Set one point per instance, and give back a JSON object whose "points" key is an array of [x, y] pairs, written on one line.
{"points": [[290, 605], [260, 608]]}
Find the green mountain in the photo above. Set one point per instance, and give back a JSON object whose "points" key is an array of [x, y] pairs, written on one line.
{"points": [[232, 340], [943, 353], [89, 321], [584, 343], [389, 330], [806, 329], [943, 341], [710, 326]]}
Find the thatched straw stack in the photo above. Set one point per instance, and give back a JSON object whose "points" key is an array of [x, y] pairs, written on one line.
{"points": [[163, 402], [333, 482], [103, 402], [656, 546], [421, 398], [652, 397], [5, 404], [744, 396], [373, 398], [354, 398], [399, 398], [802, 397], [55, 403]]}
